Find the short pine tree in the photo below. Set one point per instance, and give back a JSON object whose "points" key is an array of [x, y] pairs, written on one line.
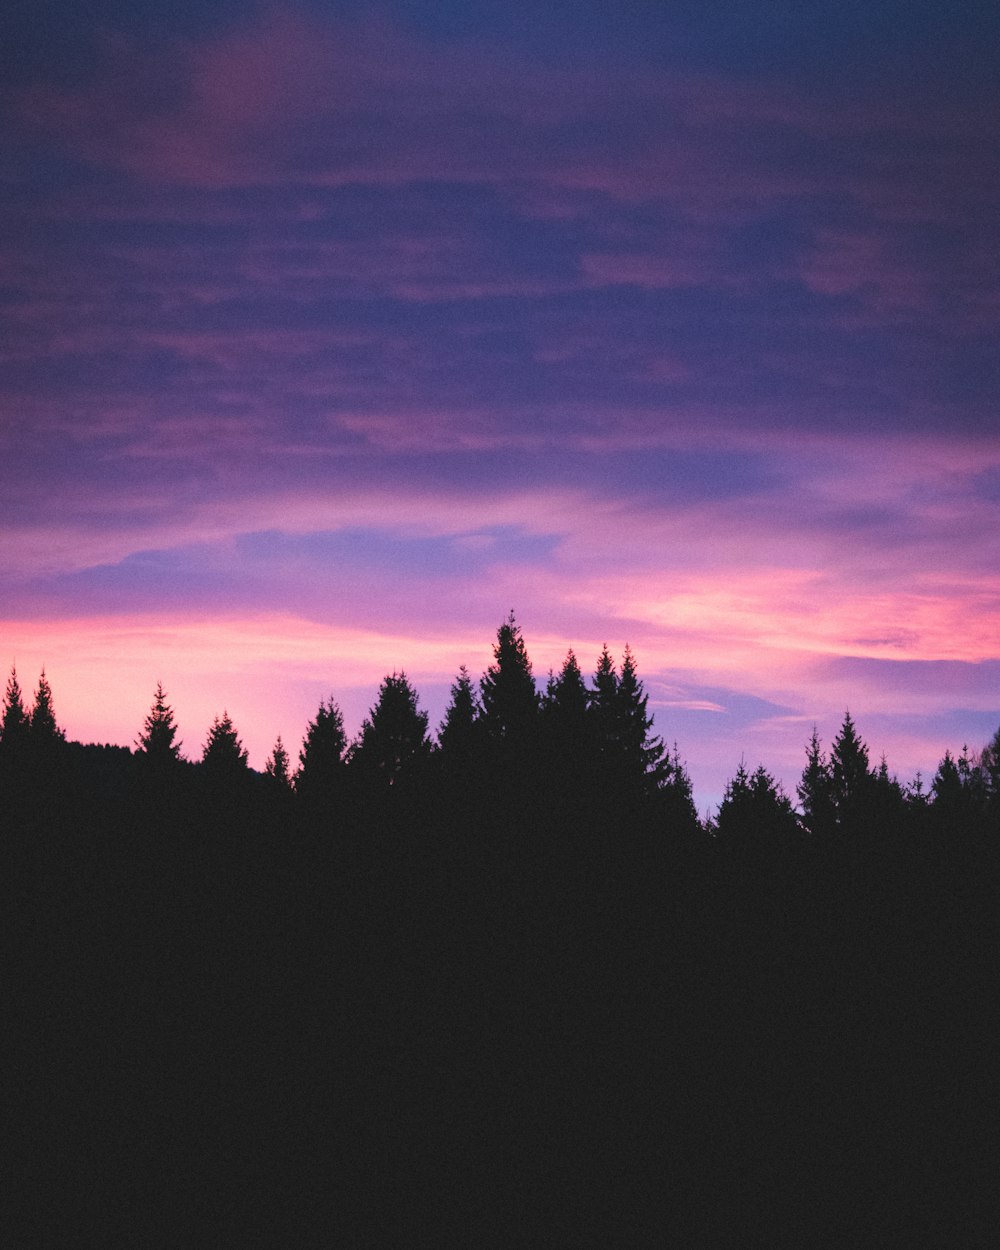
{"points": [[277, 764], [223, 754]]}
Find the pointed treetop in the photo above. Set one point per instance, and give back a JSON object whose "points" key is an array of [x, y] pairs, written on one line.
{"points": [[223, 751], [509, 698], [16, 721], [458, 727], [156, 742], [277, 765], [43, 719]]}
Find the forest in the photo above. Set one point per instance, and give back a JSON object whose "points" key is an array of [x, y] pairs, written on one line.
{"points": [[496, 986]]}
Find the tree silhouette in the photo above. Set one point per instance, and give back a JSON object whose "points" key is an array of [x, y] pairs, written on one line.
{"points": [[393, 743], [642, 755], [156, 742], [16, 721], [567, 701], [509, 699], [223, 754], [604, 704], [459, 730], [44, 730], [815, 791], [277, 766], [674, 795], [850, 779], [755, 809], [319, 778]]}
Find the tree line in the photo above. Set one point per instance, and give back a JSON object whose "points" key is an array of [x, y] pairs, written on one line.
{"points": [[498, 984], [573, 748]]}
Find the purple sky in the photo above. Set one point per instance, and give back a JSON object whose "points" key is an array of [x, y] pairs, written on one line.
{"points": [[332, 332]]}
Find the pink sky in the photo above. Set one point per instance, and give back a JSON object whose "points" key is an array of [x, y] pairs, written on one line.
{"points": [[331, 335]]}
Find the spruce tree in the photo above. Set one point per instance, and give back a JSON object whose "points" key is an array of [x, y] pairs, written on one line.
{"points": [[509, 699], [603, 699], [156, 743], [320, 775], [815, 791], [276, 766], [44, 730], [393, 742], [567, 699], [459, 730], [223, 754], [641, 754], [755, 812], [16, 721], [850, 780]]}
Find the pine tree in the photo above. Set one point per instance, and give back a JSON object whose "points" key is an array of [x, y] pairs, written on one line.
{"points": [[156, 742], [277, 766], [320, 775], [393, 742], [674, 795], [755, 811], [569, 698], [603, 698], [458, 734], [641, 754], [44, 730], [509, 699], [815, 792], [851, 780], [223, 753], [16, 721]]}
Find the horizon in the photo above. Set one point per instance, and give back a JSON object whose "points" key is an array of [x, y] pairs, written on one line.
{"points": [[332, 331]]}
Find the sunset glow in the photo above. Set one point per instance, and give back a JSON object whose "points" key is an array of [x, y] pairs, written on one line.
{"points": [[330, 334]]}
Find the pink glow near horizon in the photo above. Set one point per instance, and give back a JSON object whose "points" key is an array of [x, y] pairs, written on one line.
{"points": [[328, 339]]}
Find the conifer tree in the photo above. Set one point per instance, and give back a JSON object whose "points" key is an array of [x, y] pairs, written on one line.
{"points": [[223, 753], [156, 742], [276, 766], [674, 795], [44, 730], [815, 792], [604, 703], [850, 779], [393, 742], [642, 754], [459, 729], [989, 767], [755, 811], [567, 697], [320, 773], [16, 721], [948, 792], [509, 699]]}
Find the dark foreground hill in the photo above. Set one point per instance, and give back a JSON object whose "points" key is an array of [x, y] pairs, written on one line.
{"points": [[230, 1025]]}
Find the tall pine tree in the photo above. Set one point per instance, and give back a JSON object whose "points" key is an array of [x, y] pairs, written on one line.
{"points": [[16, 721], [320, 777], [815, 791], [509, 699], [44, 730]]}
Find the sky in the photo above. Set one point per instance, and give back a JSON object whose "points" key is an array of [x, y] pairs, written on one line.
{"points": [[332, 332]]}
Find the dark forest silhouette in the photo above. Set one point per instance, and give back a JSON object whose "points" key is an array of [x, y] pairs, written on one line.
{"points": [[494, 985]]}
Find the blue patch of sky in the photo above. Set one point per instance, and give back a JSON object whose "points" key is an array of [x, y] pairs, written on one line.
{"points": [[385, 552], [736, 708]]}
